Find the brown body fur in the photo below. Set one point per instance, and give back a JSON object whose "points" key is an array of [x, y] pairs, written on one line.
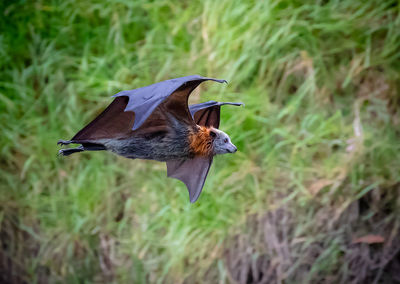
{"points": [[201, 142]]}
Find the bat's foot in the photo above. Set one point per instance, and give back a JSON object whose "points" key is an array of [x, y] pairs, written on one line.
{"points": [[63, 142], [67, 152]]}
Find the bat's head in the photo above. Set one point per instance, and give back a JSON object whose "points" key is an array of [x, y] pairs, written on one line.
{"points": [[221, 142]]}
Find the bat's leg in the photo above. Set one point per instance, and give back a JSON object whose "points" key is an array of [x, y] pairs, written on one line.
{"points": [[81, 148], [63, 142], [67, 152], [93, 147]]}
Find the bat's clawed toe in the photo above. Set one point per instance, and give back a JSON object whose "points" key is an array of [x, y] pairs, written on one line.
{"points": [[61, 152], [67, 152], [63, 142]]}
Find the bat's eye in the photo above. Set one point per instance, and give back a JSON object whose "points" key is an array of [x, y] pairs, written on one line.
{"points": [[226, 140]]}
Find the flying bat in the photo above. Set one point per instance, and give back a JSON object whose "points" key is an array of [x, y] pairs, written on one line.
{"points": [[156, 123]]}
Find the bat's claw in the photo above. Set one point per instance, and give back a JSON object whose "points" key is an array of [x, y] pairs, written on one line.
{"points": [[67, 152], [63, 142]]}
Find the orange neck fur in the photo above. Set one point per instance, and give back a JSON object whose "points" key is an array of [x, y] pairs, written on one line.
{"points": [[201, 142]]}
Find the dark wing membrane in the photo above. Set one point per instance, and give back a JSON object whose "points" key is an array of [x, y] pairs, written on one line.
{"points": [[173, 94], [144, 110], [208, 113], [192, 173], [113, 122]]}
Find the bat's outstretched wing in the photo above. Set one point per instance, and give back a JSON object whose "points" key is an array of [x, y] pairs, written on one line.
{"points": [[208, 113], [143, 111], [113, 122], [173, 94], [193, 172]]}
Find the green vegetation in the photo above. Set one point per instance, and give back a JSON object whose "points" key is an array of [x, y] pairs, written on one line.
{"points": [[318, 164]]}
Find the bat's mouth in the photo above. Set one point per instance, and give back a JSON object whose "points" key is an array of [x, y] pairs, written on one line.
{"points": [[233, 150]]}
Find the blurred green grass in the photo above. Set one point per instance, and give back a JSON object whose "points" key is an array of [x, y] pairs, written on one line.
{"points": [[319, 136]]}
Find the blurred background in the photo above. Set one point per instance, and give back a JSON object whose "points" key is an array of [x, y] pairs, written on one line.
{"points": [[312, 195]]}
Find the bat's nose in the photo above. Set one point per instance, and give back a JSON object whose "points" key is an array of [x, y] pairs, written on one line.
{"points": [[232, 149]]}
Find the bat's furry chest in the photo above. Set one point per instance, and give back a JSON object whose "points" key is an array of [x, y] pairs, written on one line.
{"points": [[162, 147]]}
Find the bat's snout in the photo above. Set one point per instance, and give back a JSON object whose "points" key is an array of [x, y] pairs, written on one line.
{"points": [[232, 148]]}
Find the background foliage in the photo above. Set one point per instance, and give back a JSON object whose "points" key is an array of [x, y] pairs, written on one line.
{"points": [[312, 194]]}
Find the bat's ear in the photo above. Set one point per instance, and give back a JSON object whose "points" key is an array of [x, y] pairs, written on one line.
{"points": [[213, 133]]}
